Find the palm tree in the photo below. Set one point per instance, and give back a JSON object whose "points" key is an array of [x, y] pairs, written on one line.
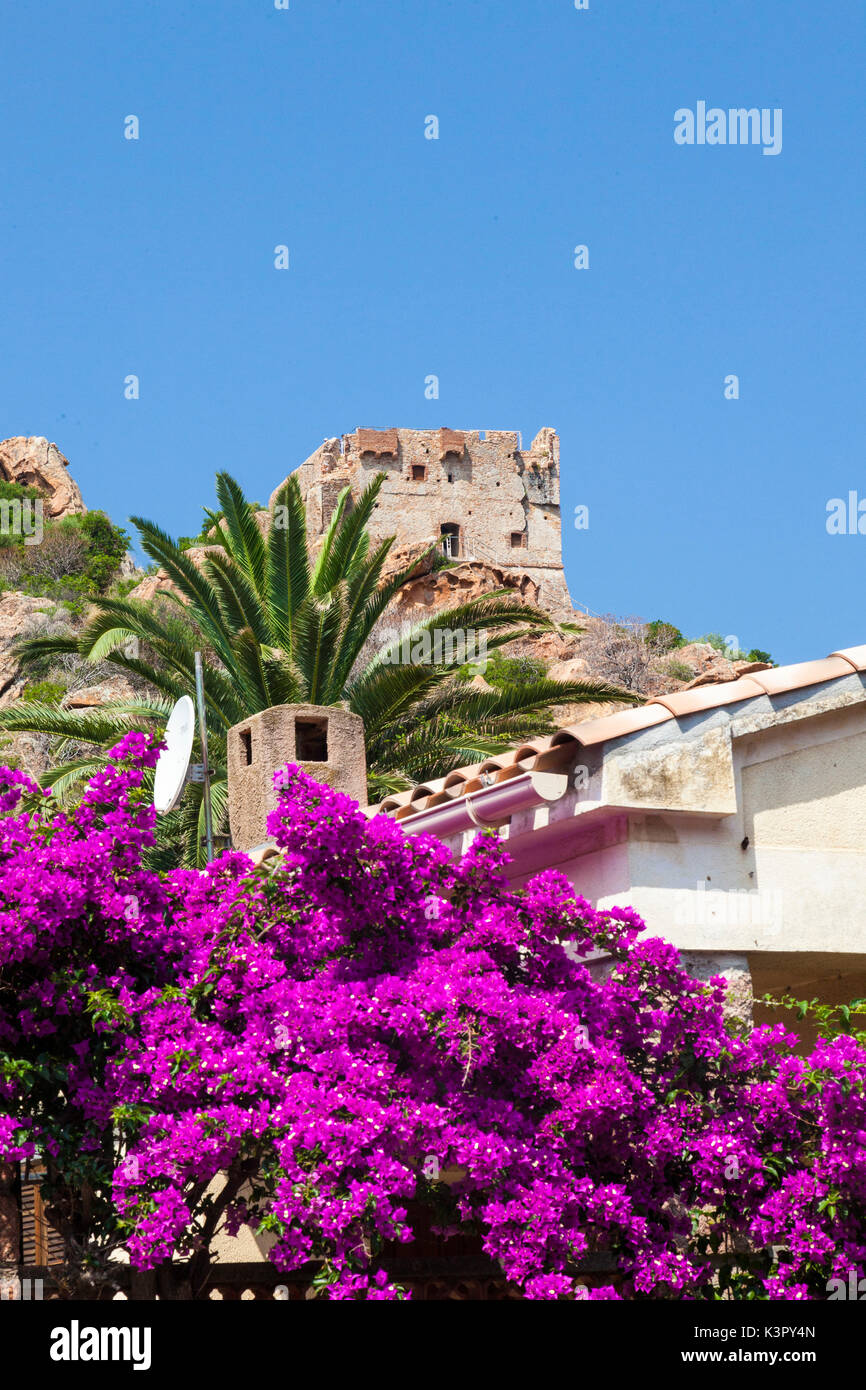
{"points": [[279, 627]]}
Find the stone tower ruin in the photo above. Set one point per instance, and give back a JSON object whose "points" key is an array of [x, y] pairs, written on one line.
{"points": [[479, 493]]}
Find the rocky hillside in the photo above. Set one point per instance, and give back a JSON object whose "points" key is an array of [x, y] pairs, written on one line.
{"points": [[53, 560], [45, 589], [648, 658], [34, 463]]}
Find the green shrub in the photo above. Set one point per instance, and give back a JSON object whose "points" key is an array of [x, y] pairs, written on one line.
{"points": [[44, 692], [714, 640], [718, 642], [77, 558], [11, 491], [100, 570], [679, 671], [516, 671], [14, 492], [119, 588], [665, 635], [106, 546]]}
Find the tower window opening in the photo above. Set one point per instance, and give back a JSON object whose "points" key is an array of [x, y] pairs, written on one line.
{"points": [[450, 534]]}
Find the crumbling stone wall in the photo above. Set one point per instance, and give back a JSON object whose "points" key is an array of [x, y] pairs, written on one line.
{"points": [[500, 501]]}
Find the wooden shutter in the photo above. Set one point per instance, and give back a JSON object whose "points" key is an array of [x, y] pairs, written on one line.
{"points": [[40, 1243]]}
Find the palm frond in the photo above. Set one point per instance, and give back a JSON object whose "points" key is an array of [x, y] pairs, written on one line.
{"points": [[360, 616], [105, 725], [473, 705], [250, 666], [117, 620], [322, 562], [67, 779], [288, 564], [343, 541], [386, 692], [247, 544], [239, 602], [188, 580], [317, 626], [30, 649]]}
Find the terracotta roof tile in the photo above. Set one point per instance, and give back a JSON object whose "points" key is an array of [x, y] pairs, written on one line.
{"points": [[681, 702], [529, 751], [494, 764], [625, 721], [421, 792], [462, 774], [804, 673], [512, 770], [552, 759], [395, 800], [856, 656]]}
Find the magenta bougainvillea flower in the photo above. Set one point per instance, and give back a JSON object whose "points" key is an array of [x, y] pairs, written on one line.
{"points": [[324, 1049]]}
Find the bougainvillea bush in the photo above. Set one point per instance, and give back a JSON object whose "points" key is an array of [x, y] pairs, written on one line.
{"points": [[324, 1049]]}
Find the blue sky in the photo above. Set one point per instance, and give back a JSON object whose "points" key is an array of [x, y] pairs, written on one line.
{"points": [[454, 257]]}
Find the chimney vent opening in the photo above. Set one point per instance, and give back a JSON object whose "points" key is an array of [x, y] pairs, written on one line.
{"points": [[311, 740]]}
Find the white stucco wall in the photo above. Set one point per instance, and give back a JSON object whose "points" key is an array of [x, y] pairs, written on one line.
{"points": [[786, 871]]}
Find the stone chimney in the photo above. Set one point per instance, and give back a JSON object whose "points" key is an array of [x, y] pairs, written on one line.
{"points": [[326, 741]]}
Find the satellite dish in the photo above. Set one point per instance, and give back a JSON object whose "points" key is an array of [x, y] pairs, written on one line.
{"points": [[170, 776]]}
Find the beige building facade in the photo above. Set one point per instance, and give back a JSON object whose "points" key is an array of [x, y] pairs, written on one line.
{"points": [[731, 816]]}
